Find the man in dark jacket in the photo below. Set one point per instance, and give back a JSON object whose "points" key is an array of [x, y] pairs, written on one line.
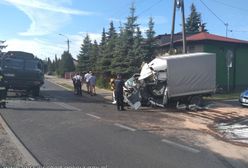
{"points": [[119, 84], [3, 92]]}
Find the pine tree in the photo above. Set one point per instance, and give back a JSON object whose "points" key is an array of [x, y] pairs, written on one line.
{"points": [[128, 38], [138, 52], [2, 46], [84, 55], [56, 64], [103, 61], [50, 66], [66, 63], [94, 56], [149, 45], [120, 51], [193, 22], [111, 34], [110, 46]]}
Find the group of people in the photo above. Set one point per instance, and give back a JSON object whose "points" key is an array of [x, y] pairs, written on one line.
{"points": [[89, 78]]}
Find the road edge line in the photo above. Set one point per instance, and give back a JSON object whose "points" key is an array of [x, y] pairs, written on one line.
{"points": [[190, 149], [29, 157], [94, 116], [125, 127]]}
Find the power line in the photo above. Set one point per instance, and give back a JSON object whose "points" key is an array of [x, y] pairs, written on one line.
{"points": [[213, 13], [150, 7], [231, 6], [240, 31], [225, 23]]}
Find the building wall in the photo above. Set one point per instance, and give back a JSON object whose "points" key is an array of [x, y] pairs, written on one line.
{"points": [[195, 48], [241, 71], [238, 73], [221, 65]]}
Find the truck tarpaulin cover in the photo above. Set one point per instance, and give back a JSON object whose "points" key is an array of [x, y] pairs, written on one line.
{"points": [[191, 73]]}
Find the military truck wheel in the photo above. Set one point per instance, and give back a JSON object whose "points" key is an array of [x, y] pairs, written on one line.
{"points": [[36, 91], [197, 100]]}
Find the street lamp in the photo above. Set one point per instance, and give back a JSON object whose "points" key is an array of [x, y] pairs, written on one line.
{"points": [[68, 42]]}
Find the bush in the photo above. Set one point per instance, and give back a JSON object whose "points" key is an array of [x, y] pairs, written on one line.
{"points": [[102, 82]]}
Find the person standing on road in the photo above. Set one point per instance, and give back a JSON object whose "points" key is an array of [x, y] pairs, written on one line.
{"points": [[112, 87], [92, 82], [74, 84], [78, 84], [119, 84], [3, 92], [87, 78]]}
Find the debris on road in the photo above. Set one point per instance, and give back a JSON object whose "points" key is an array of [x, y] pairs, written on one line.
{"points": [[236, 131]]}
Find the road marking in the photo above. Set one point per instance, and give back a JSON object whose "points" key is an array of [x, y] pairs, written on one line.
{"points": [[27, 155], [181, 146], [125, 127], [67, 106], [94, 116]]}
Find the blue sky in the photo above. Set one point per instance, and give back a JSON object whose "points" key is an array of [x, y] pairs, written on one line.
{"points": [[34, 25]]}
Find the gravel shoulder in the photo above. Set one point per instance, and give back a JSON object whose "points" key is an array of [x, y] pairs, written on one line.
{"points": [[10, 155]]}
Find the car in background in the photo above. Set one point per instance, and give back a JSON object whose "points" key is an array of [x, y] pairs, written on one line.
{"points": [[22, 71], [243, 99]]}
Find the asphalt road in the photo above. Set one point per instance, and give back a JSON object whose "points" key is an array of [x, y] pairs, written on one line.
{"points": [[67, 130]]}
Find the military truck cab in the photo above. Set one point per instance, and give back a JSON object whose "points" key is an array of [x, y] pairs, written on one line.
{"points": [[22, 71]]}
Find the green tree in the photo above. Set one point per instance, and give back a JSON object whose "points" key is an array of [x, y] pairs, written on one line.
{"points": [[66, 63], [193, 22], [149, 44], [56, 64], [2, 46], [109, 48], [104, 62], [138, 52], [124, 53], [120, 51], [94, 56], [50, 65], [84, 55]]}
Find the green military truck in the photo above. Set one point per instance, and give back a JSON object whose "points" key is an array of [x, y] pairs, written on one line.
{"points": [[22, 71]]}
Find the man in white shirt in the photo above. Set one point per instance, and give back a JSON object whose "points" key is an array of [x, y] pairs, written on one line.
{"points": [[87, 77], [77, 80]]}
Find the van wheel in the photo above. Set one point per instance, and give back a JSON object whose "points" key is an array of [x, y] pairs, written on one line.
{"points": [[197, 100], [36, 91]]}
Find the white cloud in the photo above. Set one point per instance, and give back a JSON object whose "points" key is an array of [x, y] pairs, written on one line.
{"points": [[46, 16], [39, 48], [47, 5], [44, 49]]}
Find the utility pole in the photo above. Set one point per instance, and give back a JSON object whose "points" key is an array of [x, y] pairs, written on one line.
{"points": [[173, 27], [183, 26], [178, 4], [67, 41]]}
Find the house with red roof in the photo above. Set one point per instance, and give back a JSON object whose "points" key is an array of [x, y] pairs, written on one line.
{"points": [[231, 55]]}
